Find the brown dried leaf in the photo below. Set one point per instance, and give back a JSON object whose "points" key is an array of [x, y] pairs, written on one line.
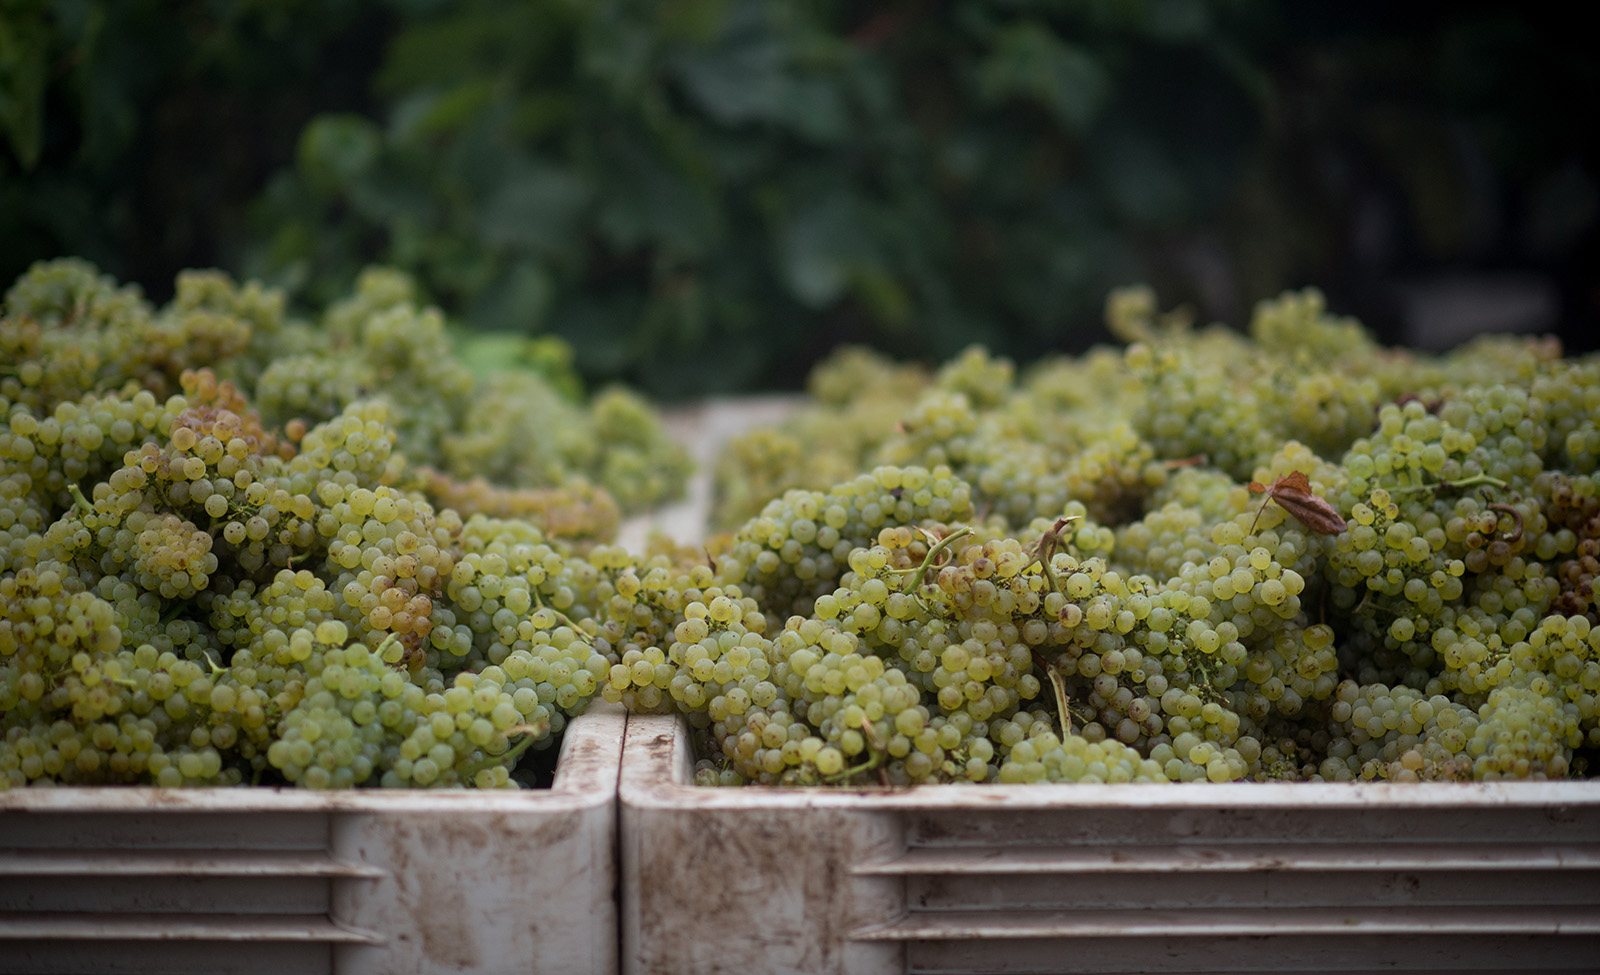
{"points": [[1293, 494]]}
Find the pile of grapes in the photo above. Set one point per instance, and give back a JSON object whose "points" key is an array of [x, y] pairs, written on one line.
{"points": [[238, 549], [1288, 554]]}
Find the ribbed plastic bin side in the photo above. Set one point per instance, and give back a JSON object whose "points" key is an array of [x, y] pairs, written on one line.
{"points": [[274, 881], [1292, 877]]}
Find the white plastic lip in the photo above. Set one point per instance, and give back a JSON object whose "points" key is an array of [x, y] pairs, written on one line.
{"points": [[657, 764], [585, 778]]}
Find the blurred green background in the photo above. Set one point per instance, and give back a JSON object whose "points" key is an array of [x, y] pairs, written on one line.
{"points": [[705, 195]]}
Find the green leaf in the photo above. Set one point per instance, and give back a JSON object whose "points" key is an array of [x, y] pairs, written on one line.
{"points": [[487, 354], [1144, 183], [754, 74], [883, 297], [389, 199], [814, 108], [1178, 20], [431, 114], [736, 83], [518, 300], [537, 208], [1030, 62], [691, 20], [338, 150], [646, 197], [822, 247], [599, 326], [24, 45]]}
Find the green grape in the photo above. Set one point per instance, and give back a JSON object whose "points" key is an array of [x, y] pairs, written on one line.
{"points": [[336, 557]]}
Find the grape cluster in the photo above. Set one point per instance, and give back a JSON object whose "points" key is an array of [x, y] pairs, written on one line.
{"points": [[578, 511], [194, 593], [1136, 578], [857, 398], [1573, 512], [1035, 750], [514, 428], [799, 546], [1210, 556]]}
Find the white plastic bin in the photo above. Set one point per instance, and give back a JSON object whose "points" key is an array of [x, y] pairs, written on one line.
{"points": [[1292, 877], [291, 881], [703, 428]]}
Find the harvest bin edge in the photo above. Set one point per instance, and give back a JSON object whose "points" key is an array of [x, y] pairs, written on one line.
{"points": [[246, 880], [1101, 878]]}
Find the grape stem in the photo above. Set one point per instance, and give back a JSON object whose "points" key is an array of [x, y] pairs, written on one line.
{"points": [[1046, 550], [1373, 605], [511, 754], [1202, 668], [563, 617], [1465, 482], [1063, 703], [78, 500], [1516, 534], [871, 763], [875, 753], [922, 570], [878, 748], [382, 651]]}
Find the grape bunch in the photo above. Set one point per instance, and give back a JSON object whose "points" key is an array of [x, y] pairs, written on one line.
{"points": [[1283, 554], [219, 565], [1207, 556]]}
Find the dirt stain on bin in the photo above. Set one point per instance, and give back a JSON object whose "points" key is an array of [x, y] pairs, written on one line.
{"points": [[435, 901]]}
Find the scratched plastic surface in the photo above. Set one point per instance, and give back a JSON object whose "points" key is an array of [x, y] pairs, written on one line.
{"points": [[1288, 877], [287, 880]]}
